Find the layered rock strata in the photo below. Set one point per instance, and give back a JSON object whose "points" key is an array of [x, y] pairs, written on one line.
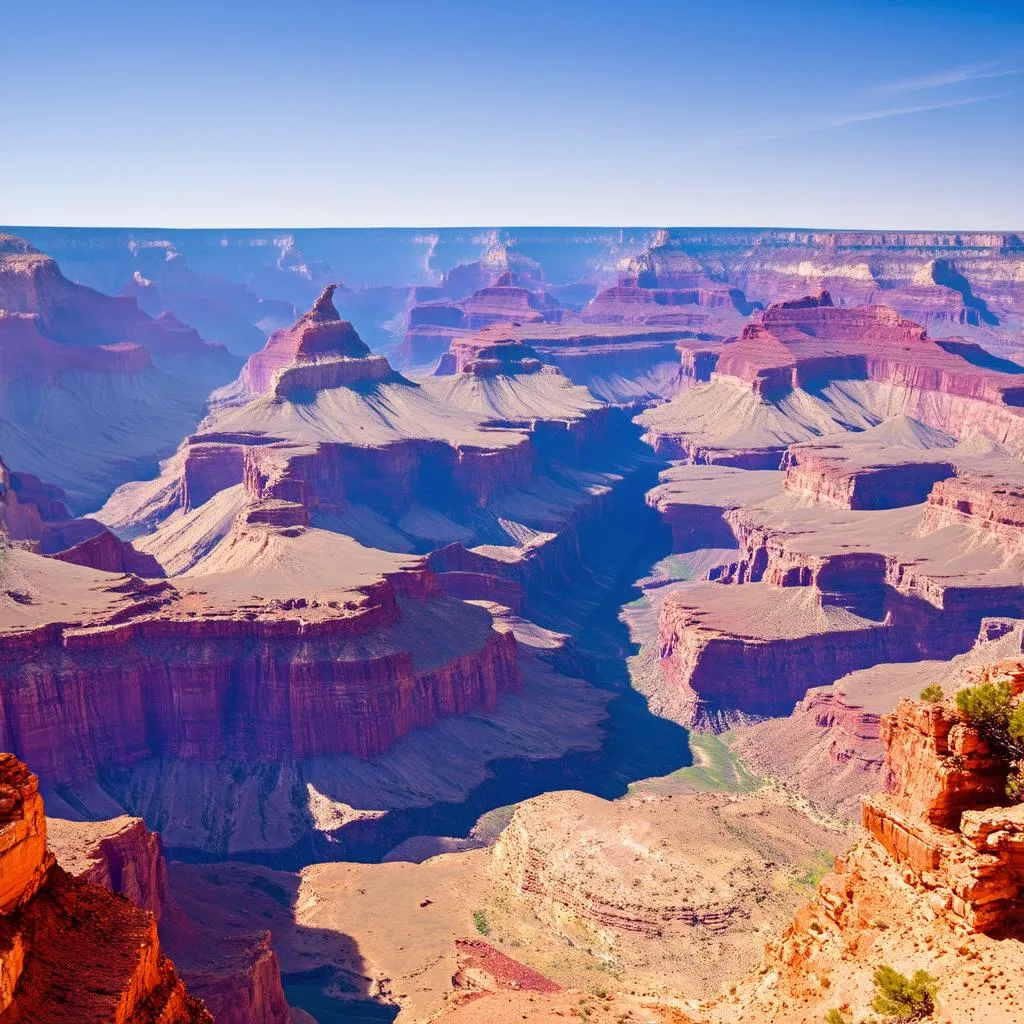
{"points": [[435, 322], [837, 569], [935, 886], [56, 929], [235, 974], [190, 668], [945, 820], [830, 750], [127, 386], [806, 368]]}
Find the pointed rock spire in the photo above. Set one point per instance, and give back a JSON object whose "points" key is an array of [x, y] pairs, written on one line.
{"points": [[323, 310]]}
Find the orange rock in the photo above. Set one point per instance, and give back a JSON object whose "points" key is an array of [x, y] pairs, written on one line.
{"points": [[70, 950]]}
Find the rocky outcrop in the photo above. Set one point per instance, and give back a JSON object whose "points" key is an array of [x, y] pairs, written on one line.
{"points": [[945, 820], [72, 950], [871, 487], [488, 354], [120, 854], [836, 587], [647, 881], [936, 886], [237, 977], [830, 749], [23, 852], [318, 350], [34, 513], [293, 679]]}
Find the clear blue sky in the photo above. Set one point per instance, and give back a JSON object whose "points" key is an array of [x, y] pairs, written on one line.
{"points": [[452, 112]]}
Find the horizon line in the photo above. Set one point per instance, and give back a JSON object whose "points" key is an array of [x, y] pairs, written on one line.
{"points": [[497, 226]]}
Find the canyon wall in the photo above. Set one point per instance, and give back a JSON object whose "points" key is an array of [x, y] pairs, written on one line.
{"points": [[237, 977], [56, 929]]}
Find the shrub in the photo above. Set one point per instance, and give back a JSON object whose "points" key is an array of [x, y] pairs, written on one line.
{"points": [[1015, 784], [990, 709], [834, 1016], [932, 694], [903, 998], [1015, 725], [481, 923], [986, 706]]}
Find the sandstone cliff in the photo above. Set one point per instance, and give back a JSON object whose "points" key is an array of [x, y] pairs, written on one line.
{"points": [[236, 976], [936, 885], [56, 930]]}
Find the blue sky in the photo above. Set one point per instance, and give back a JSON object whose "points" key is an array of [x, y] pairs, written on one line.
{"points": [[300, 113]]}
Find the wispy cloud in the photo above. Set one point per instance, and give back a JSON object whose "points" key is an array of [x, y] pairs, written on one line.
{"points": [[769, 132], [949, 76]]}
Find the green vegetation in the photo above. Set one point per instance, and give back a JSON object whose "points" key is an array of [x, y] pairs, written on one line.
{"points": [[986, 706], [835, 1017], [990, 708], [481, 923], [715, 769], [932, 694], [901, 998], [821, 864]]}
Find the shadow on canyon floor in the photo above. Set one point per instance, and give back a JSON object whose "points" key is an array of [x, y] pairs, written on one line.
{"points": [[617, 550], [228, 906]]}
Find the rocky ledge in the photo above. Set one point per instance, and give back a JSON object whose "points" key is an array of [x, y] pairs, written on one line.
{"points": [[56, 930], [937, 885]]}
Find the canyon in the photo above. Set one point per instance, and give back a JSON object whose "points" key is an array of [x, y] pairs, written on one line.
{"points": [[526, 620]]}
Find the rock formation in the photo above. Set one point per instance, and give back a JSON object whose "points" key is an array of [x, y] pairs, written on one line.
{"points": [[179, 697], [509, 298], [127, 385], [236, 976], [56, 929], [34, 514], [807, 367], [318, 338], [856, 556], [322, 541], [936, 885], [830, 750]]}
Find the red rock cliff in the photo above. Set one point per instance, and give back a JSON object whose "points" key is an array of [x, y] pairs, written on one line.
{"points": [[70, 950]]}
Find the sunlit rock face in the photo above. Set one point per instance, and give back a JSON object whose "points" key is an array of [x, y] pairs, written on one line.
{"points": [[72, 950]]}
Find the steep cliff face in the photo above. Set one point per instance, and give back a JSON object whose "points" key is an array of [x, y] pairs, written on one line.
{"points": [[120, 854], [947, 281], [945, 820], [830, 749], [237, 977], [728, 658], [935, 886], [72, 950], [890, 544], [298, 678]]}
